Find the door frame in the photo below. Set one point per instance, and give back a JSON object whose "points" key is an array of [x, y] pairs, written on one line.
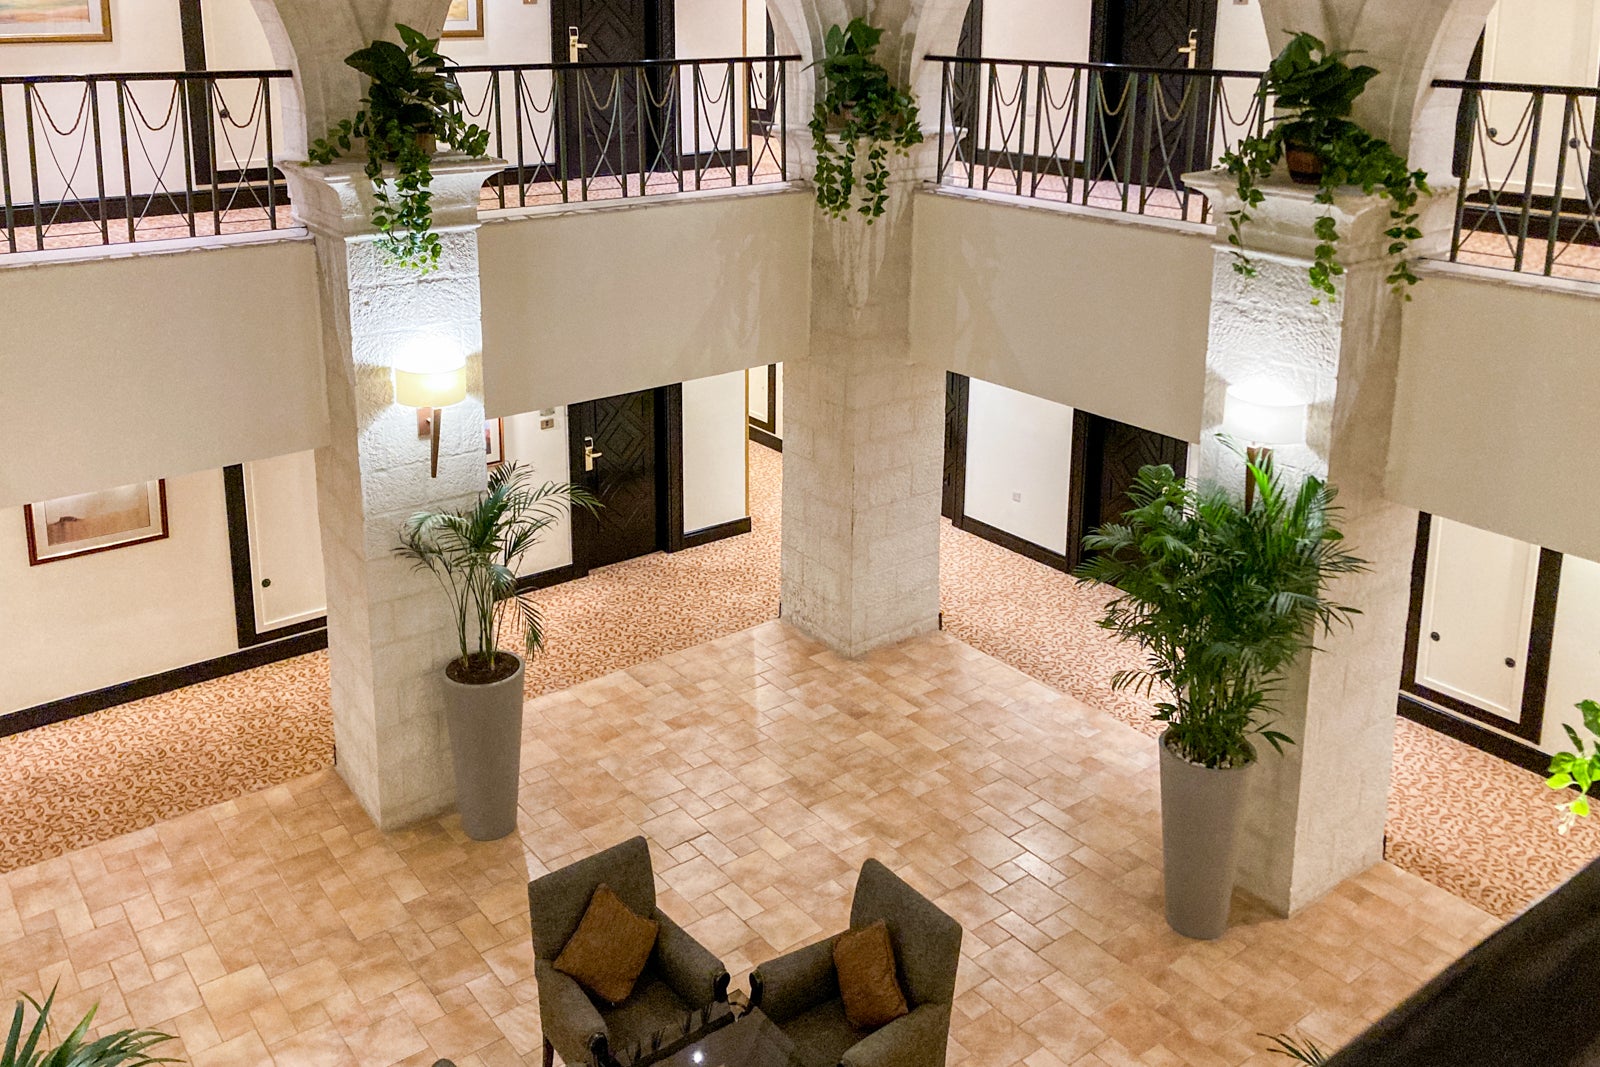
{"points": [[1536, 672], [235, 501]]}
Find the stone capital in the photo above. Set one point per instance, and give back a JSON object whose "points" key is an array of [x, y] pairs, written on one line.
{"points": [[335, 200]]}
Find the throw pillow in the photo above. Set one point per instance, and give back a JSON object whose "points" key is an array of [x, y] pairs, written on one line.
{"points": [[865, 961], [608, 951]]}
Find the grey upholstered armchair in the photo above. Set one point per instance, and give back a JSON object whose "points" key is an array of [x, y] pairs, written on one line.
{"points": [[800, 991], [681, 977]]}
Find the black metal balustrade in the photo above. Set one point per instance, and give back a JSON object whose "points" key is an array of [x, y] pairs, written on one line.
{"points": [[601, 131], [98, 159], [1095, 134], [1529, 198]]}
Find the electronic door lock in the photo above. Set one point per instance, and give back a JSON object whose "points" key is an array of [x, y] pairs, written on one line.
{"points": [[589, 454], [573, 44]]}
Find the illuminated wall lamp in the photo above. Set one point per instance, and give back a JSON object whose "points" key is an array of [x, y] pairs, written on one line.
{"points": [[1263, 418], [430, 392]]}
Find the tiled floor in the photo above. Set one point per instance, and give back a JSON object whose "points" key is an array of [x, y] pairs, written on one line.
{"points": [[282, 928]]}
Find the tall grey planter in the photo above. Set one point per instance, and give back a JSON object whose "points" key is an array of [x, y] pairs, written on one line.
{"points": [[485, 724], [1202, 816]]}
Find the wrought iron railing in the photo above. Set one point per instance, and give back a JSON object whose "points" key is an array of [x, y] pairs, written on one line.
{"points": [[98, 159], [1529, 198], [1095, 134], [601, 131]]}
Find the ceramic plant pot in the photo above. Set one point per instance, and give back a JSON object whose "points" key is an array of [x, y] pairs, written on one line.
{"points": [[1202, 816], [485, 724], [1305, 164]]}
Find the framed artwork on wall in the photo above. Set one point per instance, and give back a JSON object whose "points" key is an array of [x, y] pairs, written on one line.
{"points": [[494, 442], [41, 21], [96, 522], [465, 19]]}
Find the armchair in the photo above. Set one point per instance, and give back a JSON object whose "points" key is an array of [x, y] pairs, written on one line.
{"points": [[681, 976], [800, 992]]}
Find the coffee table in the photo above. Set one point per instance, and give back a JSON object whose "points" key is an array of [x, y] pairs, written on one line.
{"points": [[753, 1040]]}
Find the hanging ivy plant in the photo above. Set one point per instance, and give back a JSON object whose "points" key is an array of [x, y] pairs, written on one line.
{"points": [[858, 105], [410, 106], [1314, 91]]}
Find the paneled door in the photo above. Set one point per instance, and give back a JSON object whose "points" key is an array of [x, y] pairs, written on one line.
{"points": [[1106, 458], [616, 454], [612, 117], [280, 504], [957, 387]]}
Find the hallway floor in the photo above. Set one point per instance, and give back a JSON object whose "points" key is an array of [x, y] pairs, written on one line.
{"points": [[1478, 827]]}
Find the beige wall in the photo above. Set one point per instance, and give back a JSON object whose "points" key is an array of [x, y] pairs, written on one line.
{"points": [[1106, 315], [595, 302], [1499, 383], [189, 361]]}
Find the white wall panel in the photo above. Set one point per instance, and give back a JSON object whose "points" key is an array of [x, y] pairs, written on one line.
{"points": [[714, 456], [1019, 463], [544, 450]]}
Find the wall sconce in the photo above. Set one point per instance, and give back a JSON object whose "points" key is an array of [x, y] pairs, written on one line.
{"points": [[1264, 417], [430, 377]]}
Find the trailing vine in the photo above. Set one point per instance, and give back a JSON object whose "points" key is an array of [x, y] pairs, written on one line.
{"points": [[410, 103], [1314, 91], [858, 103]]}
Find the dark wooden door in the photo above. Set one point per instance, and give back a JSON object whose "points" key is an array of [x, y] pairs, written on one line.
{"points": [[622, 432], [1162, 127], [601, 112], [967, 81], [956, 389], [1106, 457]]}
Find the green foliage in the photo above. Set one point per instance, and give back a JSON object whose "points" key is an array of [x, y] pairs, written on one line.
{"points": [[1576, 770], [1299, 1051], [1315, 90], [26, 1047], [858, 104], [1222, 599], [473, 552], [409, 100]]}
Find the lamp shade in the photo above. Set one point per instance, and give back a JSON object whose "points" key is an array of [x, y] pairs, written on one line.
{"points": [[430, 389], [1260, 416]]}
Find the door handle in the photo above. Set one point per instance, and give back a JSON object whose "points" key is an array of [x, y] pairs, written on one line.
{"points": [[589, 454], [573, 45], [1191, 50]]}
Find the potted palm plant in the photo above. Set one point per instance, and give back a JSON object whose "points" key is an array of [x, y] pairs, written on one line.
{"points": [[1222, 598], [473, 552], [26, 1046]]}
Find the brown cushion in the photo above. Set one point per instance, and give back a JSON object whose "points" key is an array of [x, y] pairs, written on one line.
{"points": [[865, 961], [608, 951]]}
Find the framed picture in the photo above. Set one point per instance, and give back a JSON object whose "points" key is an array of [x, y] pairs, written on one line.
{"points": [[465, 18], [494, 442], [96, 522], [39, 21]]}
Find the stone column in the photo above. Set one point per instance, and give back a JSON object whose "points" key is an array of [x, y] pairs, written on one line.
{"points": [[1317, 813], [389, 627], [863, 450]]}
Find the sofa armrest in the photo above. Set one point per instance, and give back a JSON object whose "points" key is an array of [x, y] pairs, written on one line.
{"points": [[918, 1039], [688, 966], [570, 1020], [785, 987]]}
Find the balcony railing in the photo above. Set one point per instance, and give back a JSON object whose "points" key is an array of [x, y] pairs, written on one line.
{"points": [[603, 131], [99, 159], [1529, 198], [1094, 134]]}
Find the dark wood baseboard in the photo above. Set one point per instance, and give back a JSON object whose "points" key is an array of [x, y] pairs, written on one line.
{"points": [[1016, 544], [714, 533], [554, 576], [762, 437], [1512, 751], [165, 682]]}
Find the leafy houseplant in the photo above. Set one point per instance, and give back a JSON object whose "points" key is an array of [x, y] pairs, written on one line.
{"points": [[1576, 770], [1299, 1051], [1315, 90], [411, 105], [473, 552], [1222, 598], [123, 1048], [859, 103]]}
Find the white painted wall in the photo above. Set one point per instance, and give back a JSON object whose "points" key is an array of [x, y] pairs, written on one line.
{"points": [[190, 361], [1574, 652], [1055, 30], [1019, 463], [1497, 381], [551, 336], [545, 451], [714, 451], [79, 624], [1090, 312]]}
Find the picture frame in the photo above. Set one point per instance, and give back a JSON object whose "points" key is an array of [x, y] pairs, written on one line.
{"points": [[465, 19], [98, 521], [494, 442], [55, 21]]}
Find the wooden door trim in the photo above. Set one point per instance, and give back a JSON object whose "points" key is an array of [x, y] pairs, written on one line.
{"points": [[242, 565], [1536, 671], [957, 496]]}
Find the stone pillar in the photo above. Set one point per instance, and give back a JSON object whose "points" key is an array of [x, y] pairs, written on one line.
{"points": [[389, 627], [1317, 813], [863, 450]]}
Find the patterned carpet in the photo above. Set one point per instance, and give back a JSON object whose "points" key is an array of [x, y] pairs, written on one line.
{"points": [[1460, 819]]}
